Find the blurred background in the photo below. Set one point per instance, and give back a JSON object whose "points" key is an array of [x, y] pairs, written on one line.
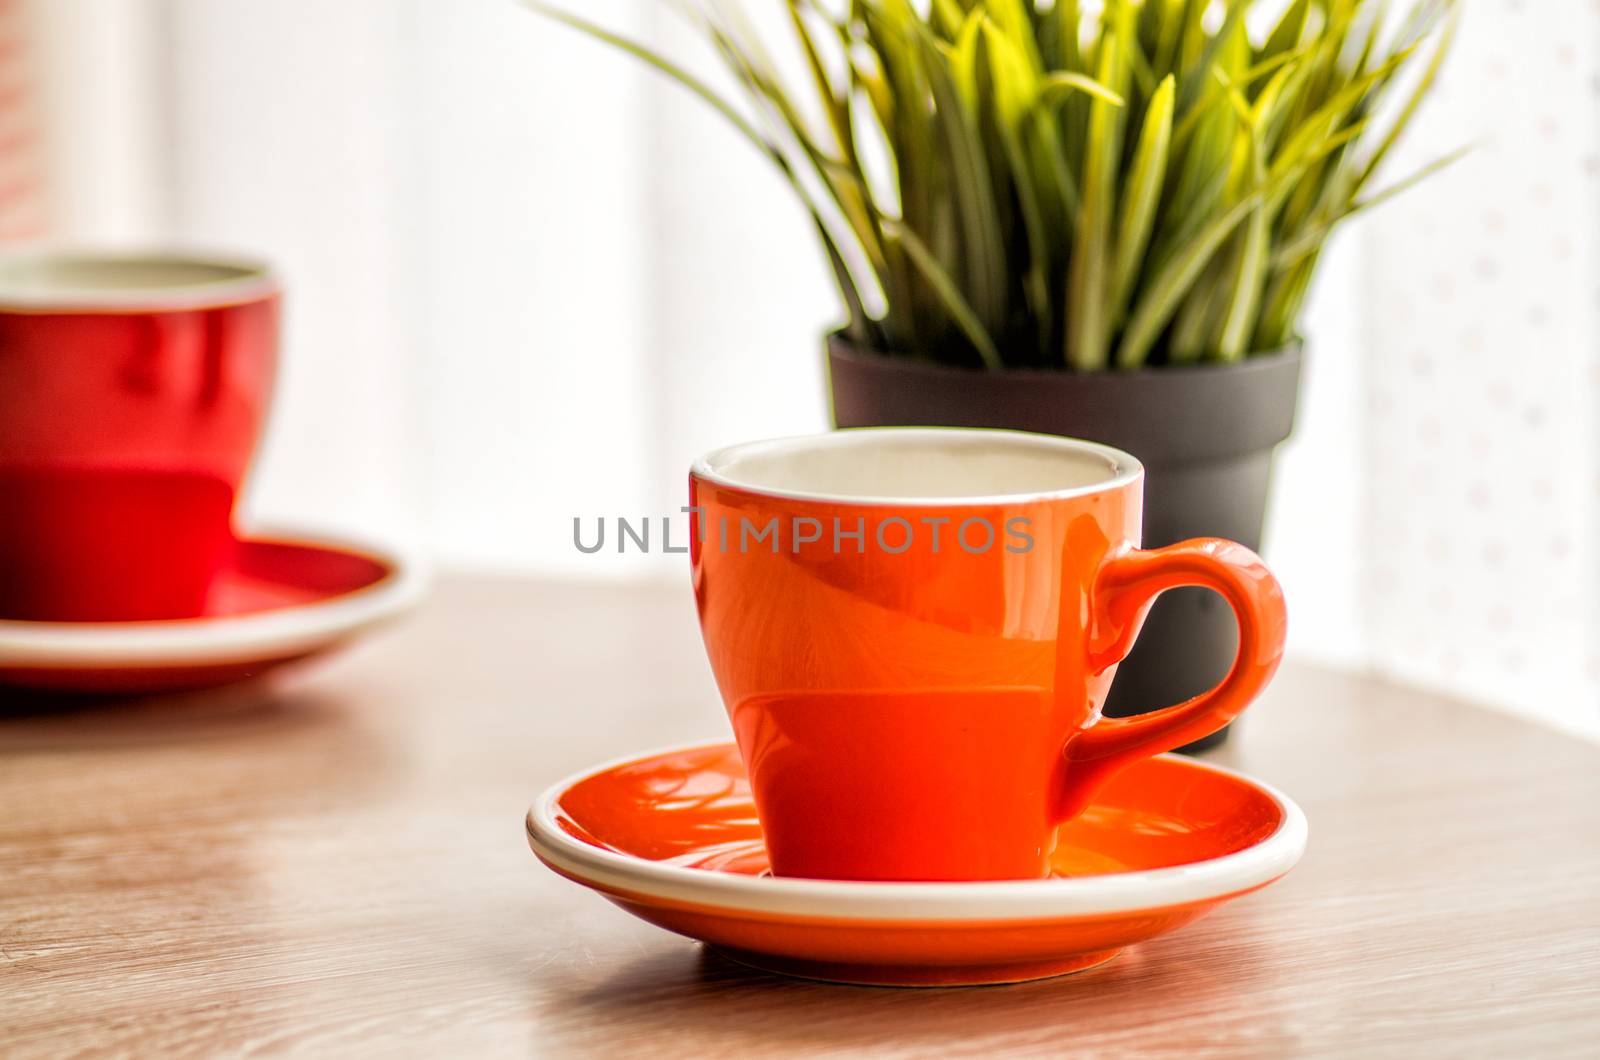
{"points": [[528, 282]]}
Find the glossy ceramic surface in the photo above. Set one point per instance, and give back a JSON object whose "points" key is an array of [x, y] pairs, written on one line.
{"points": [[275, 601], [673, 838], [132, 394], [932, 711]]}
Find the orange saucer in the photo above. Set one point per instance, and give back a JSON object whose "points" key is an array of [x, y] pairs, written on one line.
{"points": [[277, 601], [673, 839]]}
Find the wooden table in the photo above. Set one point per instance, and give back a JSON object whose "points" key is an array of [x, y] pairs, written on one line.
{"points": [[338, 866]]}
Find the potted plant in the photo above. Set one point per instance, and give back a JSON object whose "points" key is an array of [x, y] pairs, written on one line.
{"points": [[1099, 223]]}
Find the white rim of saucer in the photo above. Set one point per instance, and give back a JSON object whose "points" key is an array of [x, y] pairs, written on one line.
{"points": [[219, 640], [1003, 900]]}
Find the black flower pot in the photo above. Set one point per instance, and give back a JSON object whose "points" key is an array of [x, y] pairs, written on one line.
{"points": [[1205, 435]]}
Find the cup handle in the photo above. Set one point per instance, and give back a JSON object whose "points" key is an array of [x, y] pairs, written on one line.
{"points": [[1124, 587]]}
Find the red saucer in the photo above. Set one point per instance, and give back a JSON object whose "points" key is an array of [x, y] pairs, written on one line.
{"points": [[673, 839], [278, 601]]}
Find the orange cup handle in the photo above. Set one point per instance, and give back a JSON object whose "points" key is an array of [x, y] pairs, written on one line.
{"points": [[1124, 587]]}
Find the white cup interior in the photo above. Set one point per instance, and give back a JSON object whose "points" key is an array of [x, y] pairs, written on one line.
{"points": [[906, 464], [67, 279]]}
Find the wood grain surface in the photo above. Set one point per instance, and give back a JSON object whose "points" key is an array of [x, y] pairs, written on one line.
{"points": [[336, 866]]}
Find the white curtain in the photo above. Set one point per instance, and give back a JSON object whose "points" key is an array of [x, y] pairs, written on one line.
{"points": [[529, 281], [22, 149], [1480, 437]]}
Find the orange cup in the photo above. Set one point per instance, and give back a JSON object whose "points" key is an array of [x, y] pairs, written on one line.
{"points": [[913, 631]]}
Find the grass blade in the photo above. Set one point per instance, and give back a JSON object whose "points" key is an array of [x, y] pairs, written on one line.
{"points": [[1312, 239], [660, 62], [1142, 193], [1286, 35], [1424, 85], [1088, 324], [1059, 86], [1016, 87], [1250, 268], [959, 309], [1166, 291], [972, 188], [1193, 79]]}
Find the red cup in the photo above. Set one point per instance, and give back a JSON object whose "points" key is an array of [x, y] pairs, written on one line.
{"points": [[133, 388]]}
